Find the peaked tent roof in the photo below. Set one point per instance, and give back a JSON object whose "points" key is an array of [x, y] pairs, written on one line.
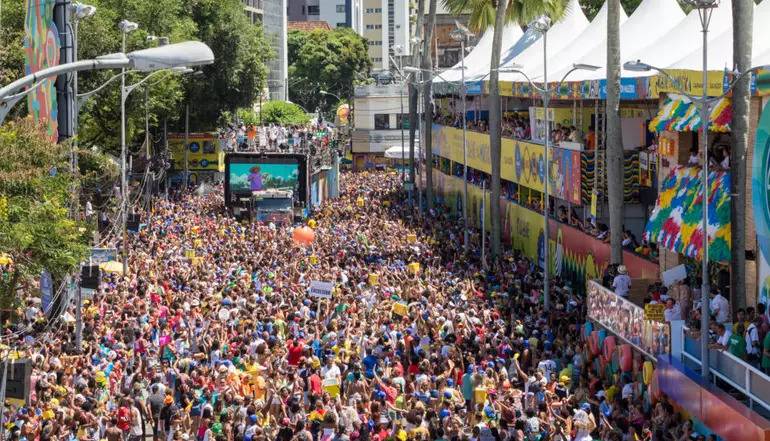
{"points": [[650, 19], [578, 47], [720, 48], [678, 41], [477, 61], [528, 51]]}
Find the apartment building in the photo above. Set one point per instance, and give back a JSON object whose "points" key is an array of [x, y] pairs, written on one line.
{"points": [[386, 28], [337, 13]]}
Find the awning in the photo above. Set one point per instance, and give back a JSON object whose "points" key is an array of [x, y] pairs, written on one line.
{"points": [[395, 152], [676, 223], [679, 114]]}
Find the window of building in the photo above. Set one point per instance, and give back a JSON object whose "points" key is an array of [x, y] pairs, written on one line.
{"points": [[381, 121], [375, 43], [303, 9], [402, 121], [374, 10], [313, 10], [340, 8], [376, 59], [374, 26], [342, 25]]}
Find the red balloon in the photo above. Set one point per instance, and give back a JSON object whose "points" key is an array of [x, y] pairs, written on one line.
{"points": [[303, 235]]}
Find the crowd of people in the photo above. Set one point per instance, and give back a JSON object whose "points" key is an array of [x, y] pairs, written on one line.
{"points": [[271, 137], [417, 340]]}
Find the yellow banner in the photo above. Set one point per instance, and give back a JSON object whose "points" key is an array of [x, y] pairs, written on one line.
{"points": [[527, 157], [204, 152], [689, 81]]}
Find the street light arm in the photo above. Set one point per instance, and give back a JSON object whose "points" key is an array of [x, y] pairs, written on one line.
{"points": [[674, 83], [44, 74], [130, 88], [563, 79], [85, 95]]}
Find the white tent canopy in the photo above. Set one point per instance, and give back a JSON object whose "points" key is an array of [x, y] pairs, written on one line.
{"points": [[528, 51], [720, 49], [652, 18], [477, 61], [579, 46]]}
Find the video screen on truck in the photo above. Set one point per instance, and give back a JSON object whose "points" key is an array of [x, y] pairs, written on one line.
{"points": [[249, 177]]}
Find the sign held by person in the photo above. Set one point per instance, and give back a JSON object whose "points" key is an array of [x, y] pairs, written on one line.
{"points": [[322, 290]]}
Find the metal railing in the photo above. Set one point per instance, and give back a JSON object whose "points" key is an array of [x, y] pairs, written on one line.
{"points": [[739, 374]]}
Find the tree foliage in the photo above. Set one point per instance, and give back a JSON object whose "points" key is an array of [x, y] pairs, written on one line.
{"points": [[283, 113], [234, 80], [325, 60], [35, 229]]}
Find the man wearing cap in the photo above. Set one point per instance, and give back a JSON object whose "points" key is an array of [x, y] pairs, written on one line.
{"points": [[622, 282]]}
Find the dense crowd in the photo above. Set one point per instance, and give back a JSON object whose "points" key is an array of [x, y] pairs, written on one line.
{"points": [[417, 342]]}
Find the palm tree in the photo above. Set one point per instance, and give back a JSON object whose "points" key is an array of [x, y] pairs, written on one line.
{"points": [[743, 19], [427, 65], [614, 144], [497, 13], [413, 95]]}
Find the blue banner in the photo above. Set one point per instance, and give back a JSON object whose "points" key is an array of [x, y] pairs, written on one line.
{"points": [[627, 89], [46, 291]]}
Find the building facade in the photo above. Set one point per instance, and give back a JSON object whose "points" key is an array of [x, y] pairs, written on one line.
{"points": [[275, 23], [254, 10], [379, 113], [337, 13]]}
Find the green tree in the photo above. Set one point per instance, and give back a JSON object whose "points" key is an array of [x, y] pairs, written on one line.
{"points": [[11, 47], [328, 60], [497, 13], [427, 127], [239, 73], [283, 113], [35, 229]]}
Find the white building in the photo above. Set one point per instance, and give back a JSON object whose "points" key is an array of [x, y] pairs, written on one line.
{"points": [[386, 25], [337, 13], [378, 118]]}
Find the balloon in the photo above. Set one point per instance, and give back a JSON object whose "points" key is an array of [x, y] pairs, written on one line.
{"points": [[224, 314], [303, 235], [626, 357], [647, 372], [608, 348], [312, 223]]}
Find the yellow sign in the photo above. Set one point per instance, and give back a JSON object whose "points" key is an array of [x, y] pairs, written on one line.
{"points": [[521, 162], [654, 312], [400, 309], [689, 81], [414, 267], [203, 152], [374, 279]]}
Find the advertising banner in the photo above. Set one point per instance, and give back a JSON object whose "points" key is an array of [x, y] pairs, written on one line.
{"points": [[522, 162], [688, 81], [627, 321], [321, 290], [760, 199], [204, 152], [42, 48]]}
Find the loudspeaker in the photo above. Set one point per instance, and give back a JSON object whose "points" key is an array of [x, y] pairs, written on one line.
{"points": [[89, 277], [17, 383]]}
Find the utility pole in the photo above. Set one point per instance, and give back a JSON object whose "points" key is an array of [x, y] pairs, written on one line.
{"points": [[186, 145]]}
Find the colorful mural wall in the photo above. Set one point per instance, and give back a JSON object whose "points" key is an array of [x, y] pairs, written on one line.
{"points": [[42, 49], [760, 197], [575, 256], [676, 222]]}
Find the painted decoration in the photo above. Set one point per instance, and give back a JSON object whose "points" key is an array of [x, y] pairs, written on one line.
{"points": [[760, 198], [676, 223], [204, 153], [42, 50], [679, 114]]}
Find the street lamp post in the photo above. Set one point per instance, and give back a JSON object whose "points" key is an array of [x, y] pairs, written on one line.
{"points": [[542, 25], [125, 27], [461, 34]]}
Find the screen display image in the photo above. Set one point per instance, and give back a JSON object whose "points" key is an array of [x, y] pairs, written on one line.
{"points": [[249, 177]]}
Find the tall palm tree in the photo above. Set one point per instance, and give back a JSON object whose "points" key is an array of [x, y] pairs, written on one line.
{"points": [[413, 95], [743, 19], [427, 128], [614, 144], [498, 13]]}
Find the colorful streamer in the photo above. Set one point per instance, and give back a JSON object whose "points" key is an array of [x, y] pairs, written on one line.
{"points": [[676, 222]]}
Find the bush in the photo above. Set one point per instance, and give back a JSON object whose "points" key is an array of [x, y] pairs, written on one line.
{"points": [[283, 113]]}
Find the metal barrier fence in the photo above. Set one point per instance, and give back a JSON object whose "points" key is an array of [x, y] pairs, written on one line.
{"points": [[747, 379]]}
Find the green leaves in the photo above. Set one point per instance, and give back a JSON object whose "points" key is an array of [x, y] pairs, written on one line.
{"points": [[325, 60], [283, 113], [36, 231]]}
